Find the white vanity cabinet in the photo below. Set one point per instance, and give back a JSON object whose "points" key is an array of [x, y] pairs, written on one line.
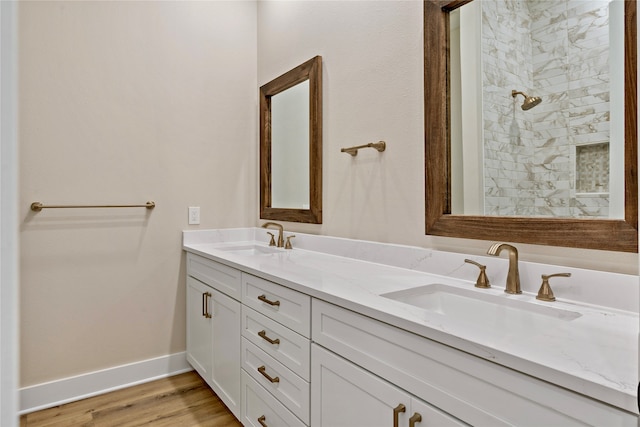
{"points": [[213, 327], [345, 395], [476, 391], [276, 356], [275, 353]]}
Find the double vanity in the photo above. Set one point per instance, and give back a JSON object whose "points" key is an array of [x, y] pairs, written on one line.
{"points": [[339, 332]]}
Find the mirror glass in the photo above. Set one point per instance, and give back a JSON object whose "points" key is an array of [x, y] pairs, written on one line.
{"points": [[291, 145], [537, 108], [561, 171], [290, 148]]}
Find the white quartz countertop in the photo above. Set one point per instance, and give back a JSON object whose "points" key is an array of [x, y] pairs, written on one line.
{"points": [[595, 354]]}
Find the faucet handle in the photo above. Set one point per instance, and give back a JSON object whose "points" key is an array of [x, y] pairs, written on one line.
{"points": [[545, 293], [272, 242], [288, 244], [483, 280]]}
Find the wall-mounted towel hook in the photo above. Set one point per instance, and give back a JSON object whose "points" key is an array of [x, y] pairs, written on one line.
{"points": [[380, 146]]}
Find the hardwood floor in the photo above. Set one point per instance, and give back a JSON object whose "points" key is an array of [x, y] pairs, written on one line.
{"points": [[180, 401]]}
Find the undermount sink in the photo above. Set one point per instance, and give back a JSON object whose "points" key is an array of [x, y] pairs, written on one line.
{"points": [[251, 249], [478, 307]]}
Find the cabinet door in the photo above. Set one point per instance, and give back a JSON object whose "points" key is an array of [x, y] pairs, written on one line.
{"points": [[344, 395], [199, 327], [225, 360]]}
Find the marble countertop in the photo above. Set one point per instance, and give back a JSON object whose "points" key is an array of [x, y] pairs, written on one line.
{"points": [[595, 354]]}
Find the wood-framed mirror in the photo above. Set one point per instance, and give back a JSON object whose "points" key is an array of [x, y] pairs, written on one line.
{"points": [[604, 234], [291, 145]]}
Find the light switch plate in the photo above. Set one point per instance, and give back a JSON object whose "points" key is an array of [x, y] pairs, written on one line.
{"points": [[194, 215]]}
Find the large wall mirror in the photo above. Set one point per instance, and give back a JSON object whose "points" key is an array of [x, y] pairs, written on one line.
{"points": [[531, 123], [291, 145]]}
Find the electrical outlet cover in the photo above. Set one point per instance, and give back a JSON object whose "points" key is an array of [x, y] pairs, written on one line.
{"points": [[194, 215]]}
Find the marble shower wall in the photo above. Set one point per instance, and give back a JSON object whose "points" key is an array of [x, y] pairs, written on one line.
{"points": [[557, 50]]}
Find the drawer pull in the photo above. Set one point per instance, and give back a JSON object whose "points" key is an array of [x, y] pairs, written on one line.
{"points": [[263, 298], [208, 315], [263, 335], [262, 369], [262, 420], [396, 411], [205, 305], [416, 418]]}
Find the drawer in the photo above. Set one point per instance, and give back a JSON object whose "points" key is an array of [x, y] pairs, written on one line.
{"points": [[284, 305], [284, 345], [219, 276], [258, 405], [291, 390], [472, 389]]}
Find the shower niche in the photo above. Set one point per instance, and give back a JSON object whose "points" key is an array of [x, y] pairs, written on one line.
{"points": [[592, 180], [592, 169]]}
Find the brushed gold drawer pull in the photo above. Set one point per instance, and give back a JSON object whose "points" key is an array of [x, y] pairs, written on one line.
{"points": [[263, 298], [396, 411], [204, 304], [416, 418], [206, 297], [208, 315], [262, 369], [262, 420], [263, 335]]}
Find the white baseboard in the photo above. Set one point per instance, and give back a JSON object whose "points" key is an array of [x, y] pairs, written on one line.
{"points": [[47, 395]]}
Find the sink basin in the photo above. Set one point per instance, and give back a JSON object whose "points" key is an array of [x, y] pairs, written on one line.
{"points": [[251, 249], [480, 308]]}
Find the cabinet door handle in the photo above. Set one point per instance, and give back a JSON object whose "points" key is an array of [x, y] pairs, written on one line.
{"points": [[262, 370], [396, 412], [416, 418], [262, 420], [263, 335], [263, 298], [205, 305]]}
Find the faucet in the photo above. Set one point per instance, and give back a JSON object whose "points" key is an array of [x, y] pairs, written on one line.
{"points": [[280, 243], [513, 276]]}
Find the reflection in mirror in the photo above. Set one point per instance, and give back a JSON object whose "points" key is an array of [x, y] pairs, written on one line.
{"points": [[553, 197], [546, 136], [290, 148], [291, 145]]}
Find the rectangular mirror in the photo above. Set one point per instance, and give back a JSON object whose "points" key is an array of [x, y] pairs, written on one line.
{"points": [[291, 145], [560, 170], [537, 108]]}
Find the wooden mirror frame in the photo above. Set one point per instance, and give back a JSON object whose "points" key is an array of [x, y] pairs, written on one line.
{"points": [[604, 234], [312, 71]]}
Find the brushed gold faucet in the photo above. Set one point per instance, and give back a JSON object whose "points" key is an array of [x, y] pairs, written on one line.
{"points": [[513, 276], [280, 228]]}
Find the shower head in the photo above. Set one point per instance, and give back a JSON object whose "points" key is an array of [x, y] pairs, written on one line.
{"points": [[529, 101]]}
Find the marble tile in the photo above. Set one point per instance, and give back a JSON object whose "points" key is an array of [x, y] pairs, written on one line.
{"points": [[557, 50]]}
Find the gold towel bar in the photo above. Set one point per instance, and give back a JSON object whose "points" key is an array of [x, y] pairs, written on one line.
{"points": [[38, 206], [380, 146]]}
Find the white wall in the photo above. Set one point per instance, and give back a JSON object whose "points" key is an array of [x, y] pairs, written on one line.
{"points": [[372, 90], [372, 55], [124, 102]]}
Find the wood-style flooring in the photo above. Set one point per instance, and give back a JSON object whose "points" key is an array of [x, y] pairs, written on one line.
{"points": [[180, 401]]}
